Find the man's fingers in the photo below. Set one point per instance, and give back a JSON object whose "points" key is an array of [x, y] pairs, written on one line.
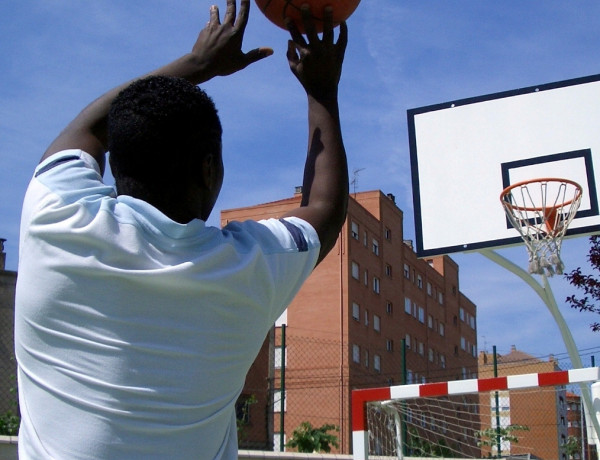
{"points": [[257, 54], [242, 18], [343, 37], [328, 25], [214, 15], [309, 25], [230, 12], [294, 32]]}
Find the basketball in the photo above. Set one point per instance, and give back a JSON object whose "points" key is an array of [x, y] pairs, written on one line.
{"points": [[277, 10]]}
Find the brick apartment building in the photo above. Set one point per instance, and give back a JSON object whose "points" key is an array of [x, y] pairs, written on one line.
{"points": [[576, 428], [347, 326], [544, 411]]}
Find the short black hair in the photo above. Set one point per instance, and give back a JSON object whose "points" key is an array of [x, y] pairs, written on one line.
{"points": [[159, 131]]}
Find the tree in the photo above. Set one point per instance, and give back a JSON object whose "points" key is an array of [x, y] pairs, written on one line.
{"points": [[571, 447], [308, 439], [589, 284], [489, 436]]}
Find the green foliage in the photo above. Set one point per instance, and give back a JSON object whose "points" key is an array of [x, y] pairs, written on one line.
{"points": [[243, 415], [9, 424], [571, 447], [489, 436], [418, 447], [308, 439], [10, 420]]}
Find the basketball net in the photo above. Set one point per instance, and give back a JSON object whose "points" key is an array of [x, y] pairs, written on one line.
{"points": [[541, 211]]}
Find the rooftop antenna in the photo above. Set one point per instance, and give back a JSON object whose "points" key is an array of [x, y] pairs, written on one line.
{"points": [[354, 181]]}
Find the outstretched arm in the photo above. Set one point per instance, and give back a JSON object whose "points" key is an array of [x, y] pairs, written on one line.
{"points": [[217, 52], [317, 63]]}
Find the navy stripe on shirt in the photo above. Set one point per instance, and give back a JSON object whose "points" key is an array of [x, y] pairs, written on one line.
{"points": [[297, 235], [55, 163]]}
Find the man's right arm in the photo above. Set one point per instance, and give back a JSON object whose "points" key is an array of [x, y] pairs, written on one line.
{"points": [[318, 64]]}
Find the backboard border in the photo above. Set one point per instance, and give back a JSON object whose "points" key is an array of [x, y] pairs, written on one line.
{"points": [[414, 164]]}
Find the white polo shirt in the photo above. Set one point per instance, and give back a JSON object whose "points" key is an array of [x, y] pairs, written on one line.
{"points": [[134, 333]]}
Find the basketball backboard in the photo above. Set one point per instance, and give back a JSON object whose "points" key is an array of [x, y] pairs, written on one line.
{"points": [[464, 153]]}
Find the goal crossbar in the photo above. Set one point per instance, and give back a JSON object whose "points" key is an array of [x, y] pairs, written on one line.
{"points": [[361, 397]]}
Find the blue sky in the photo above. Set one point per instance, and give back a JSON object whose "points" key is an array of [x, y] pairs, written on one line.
{"points": [[58, 55]]}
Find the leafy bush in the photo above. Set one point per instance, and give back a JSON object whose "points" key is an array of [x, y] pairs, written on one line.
{"points": [[308, 439]]}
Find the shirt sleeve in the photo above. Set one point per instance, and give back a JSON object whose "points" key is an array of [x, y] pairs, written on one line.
{"points": [[72, 175], [290, 249]]}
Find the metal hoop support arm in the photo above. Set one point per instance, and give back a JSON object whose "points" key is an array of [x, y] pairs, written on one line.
{"points": [[545, 293]]}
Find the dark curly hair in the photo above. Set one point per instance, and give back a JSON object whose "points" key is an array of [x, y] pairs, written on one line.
{"points": [[159, 131]]}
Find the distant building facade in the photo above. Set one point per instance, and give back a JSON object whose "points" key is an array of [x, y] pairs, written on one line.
{"points": [[370, 302], [543, 411]]}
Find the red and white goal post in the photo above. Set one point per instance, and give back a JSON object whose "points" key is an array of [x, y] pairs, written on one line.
{"points": [[385, 397]]}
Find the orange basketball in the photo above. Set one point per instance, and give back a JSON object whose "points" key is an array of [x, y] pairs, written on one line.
{"points": [[277, 10]]}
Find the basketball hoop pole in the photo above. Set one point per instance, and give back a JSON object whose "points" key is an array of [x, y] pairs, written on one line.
{"points": [[545, 293]]}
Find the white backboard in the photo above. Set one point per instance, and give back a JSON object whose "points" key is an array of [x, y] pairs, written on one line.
{"points": [[464, 153]]}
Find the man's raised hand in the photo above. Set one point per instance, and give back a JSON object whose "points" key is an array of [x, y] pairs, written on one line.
{"points": [[218, 48]]}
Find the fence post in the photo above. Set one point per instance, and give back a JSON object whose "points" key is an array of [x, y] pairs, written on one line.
{"points": [[282, 393], [497, 400]]}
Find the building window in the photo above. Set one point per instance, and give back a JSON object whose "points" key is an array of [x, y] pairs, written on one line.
{"points": [[277, 397], [356, 353], [355, 271], [282, 319], [472, 322], [388, 234], [440, 298], [377, 363], [388, 270], [429, 290], [442, 329], [421, 315], [389, 308], [376, 285], [389, 345], [463, 344], [421, 349], [375, 247], [277, 358], [277, 442], [354, 231], [366, 361], [443, 361], [376, 323], [366, 317], [407, 305], [355, 311], [430, 355], [409, 376], [366, 277], [461, 313], [365, 239], [430, 321], [419, 282], [406, 271], [407, 341]]}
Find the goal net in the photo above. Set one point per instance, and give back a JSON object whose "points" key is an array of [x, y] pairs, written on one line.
{"points": [[519, 416]]}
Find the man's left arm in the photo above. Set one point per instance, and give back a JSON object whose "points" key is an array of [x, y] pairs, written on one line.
{"points": [[217, 52]]}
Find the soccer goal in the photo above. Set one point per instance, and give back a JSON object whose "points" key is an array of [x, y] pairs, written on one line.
{"points": [[516, 416]]}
